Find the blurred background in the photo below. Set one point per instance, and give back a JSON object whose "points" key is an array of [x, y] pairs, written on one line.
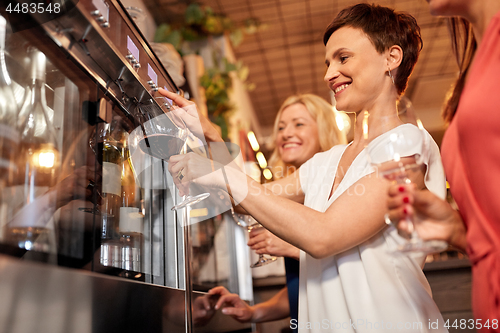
{"points": [[283, 50]]}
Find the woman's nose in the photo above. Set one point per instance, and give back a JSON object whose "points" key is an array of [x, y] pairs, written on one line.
{"points": [[288, 131], [331, 73]]}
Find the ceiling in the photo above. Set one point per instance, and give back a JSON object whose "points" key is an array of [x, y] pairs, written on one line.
{"points": [[288, 56]]}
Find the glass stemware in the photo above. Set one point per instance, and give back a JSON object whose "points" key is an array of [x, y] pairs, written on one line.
{"points": [[400, 158], [249, 223], [162, 136]]}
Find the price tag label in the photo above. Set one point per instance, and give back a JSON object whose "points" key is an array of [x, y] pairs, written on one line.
{"points": [[132, 48], [152, 75]]}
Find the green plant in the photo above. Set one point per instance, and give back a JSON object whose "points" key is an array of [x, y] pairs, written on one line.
{"points": [[201, 23], [218, 82]]}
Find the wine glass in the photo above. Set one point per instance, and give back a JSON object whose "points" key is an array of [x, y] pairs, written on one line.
{"points": [[399, 156], [162, 136], [249, 223]]}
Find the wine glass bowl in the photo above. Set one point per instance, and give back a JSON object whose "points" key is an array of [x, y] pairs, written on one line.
{"points": [[249, 223], [162, 136], [399, 155]]}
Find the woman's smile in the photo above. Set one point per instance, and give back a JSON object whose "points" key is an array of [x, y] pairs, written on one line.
{"points": [[297, 138]]}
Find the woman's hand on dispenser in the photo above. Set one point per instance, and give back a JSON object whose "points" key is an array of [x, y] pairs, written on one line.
{"points": [[198, 124], [264, 242]]}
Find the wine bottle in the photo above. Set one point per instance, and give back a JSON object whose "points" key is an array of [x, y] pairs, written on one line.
{"points": [[111, 181], [38, 154], [37, 162], [130, 191], [131, 238], [130, 225], [9, 136]]}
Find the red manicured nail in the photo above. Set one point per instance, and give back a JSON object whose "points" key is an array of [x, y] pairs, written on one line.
{"points": [[401, 189], [405, 211], [406, 200]]}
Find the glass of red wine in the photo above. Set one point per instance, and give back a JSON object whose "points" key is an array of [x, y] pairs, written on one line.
{"points": [[163, 136]]}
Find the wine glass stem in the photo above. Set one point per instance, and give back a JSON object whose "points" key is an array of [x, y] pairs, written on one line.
{"points": [[414, 237]]}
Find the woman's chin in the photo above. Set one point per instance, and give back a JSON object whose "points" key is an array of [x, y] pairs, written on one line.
{"points": [[290, 160]]}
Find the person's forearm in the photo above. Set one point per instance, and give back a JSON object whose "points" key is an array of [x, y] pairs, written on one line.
{"points": [[294, 253], [275, 308], [211, 135], [272, 211], [320, 234]]}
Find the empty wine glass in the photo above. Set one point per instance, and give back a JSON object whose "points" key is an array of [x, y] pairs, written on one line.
{"points": [[162, 136], [399, 158], [249, 223]]}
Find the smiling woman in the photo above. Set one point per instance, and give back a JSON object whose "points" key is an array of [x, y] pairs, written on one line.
{"points": [[303, 127], [348, 273]]}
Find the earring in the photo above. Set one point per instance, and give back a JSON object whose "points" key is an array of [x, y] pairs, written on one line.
{"points": [[390, 75]]}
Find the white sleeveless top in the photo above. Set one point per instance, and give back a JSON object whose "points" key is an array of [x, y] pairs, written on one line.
{"points": [[368, 288]]}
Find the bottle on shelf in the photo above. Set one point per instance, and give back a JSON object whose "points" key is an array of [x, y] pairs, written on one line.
{"points": [[111, 144], [131, 219], [39, 155], [112, 159], [131, 239], [37, 163]]}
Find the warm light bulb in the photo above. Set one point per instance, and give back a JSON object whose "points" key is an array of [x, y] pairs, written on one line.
{"points": [[261, 159], [46, 159], [267, 174], [253, 141]]}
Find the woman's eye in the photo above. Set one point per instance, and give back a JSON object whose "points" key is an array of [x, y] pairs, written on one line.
{"points": [[280, 128], [343, 59], [299, 124]]}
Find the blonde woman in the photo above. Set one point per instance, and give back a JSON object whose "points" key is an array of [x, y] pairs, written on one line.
{"points": [[305, 125]]}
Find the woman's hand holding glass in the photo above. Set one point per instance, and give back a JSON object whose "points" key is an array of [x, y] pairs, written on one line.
{"points": [[402, 160], [262, 241], [249, 223], [437, 218], [193, 168]]}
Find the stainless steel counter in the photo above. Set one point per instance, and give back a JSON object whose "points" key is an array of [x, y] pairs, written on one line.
{"points": [[43, 298]]}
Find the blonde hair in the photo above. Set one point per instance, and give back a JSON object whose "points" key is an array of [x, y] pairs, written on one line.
{"points": [[328, 132]]}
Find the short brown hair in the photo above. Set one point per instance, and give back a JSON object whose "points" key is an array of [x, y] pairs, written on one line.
{"points": [[385, 28]]}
